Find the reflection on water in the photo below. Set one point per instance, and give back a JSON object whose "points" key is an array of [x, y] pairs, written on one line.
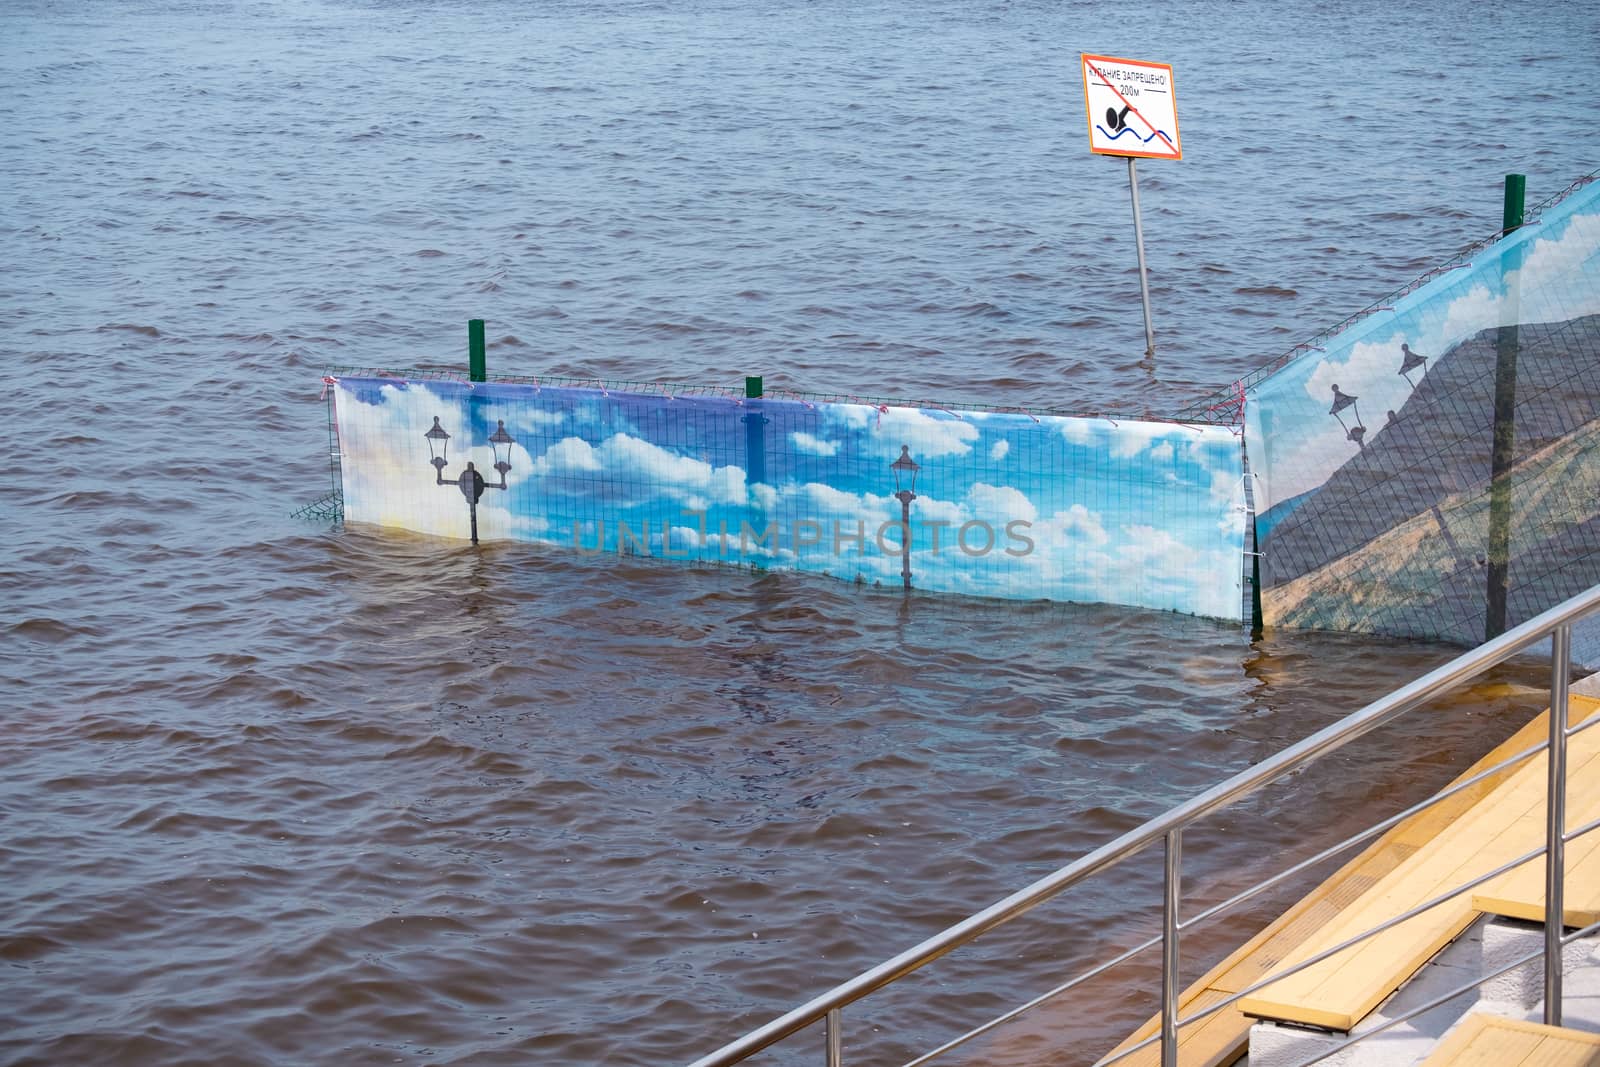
{"points": [[513, 804]]}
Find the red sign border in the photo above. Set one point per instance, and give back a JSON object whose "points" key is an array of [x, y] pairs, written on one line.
{"points": [[1086, 59]]}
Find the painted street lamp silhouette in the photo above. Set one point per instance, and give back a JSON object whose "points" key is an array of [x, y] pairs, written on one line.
{"points": [[1410, 363], [1353, 432], [905, 490], [470, 482]]}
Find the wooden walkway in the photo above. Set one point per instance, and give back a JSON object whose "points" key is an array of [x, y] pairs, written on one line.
{"points": [[1337, 993], [1222, 1037]]}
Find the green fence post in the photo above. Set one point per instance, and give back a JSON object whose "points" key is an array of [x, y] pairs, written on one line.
{"points": [[752, 387], [1502, 456], [1516, 202], [477, 364]]}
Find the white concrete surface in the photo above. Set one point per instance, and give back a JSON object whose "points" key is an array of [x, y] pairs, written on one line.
{"points": [[1506, 940]]}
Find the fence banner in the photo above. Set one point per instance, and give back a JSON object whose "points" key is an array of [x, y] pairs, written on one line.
{"points": [[1435, 470], [1012, 505]]}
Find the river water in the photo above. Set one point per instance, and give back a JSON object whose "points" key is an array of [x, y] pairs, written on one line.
{"points": [[278, 793]]}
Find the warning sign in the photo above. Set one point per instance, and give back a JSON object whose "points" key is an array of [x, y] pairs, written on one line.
{"points": [[1133, 108]]}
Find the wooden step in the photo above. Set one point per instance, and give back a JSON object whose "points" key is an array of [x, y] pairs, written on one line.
{"points": [[1221, 1038], [1519, 894], [1338, 992], [1490, 1041]]}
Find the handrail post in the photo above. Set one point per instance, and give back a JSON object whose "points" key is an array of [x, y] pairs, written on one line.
{"points": [[1169, 949], [835, 1034], [1556, 823]]}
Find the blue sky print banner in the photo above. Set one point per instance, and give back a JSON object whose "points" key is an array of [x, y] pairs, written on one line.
{"points": [[1384, 502], [1002, 504]]}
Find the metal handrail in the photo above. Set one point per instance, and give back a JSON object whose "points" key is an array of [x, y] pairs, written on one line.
{"points": [[1326, 954], [1169, 826]]}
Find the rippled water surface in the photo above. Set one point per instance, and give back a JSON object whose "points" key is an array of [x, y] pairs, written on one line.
{"points": [[274, 793]]}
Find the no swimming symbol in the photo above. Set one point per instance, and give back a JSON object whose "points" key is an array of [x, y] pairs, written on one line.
{"points": [[1139, 107]]}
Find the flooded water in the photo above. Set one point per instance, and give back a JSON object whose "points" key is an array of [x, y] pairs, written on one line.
{"points": [[275, 793]]}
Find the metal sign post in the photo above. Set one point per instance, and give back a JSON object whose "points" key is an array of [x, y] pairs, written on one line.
{"points": [[1133, 112], [1144, 278]]}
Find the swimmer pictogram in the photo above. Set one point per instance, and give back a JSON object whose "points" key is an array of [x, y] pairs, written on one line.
{"points": [[1117, 124]]}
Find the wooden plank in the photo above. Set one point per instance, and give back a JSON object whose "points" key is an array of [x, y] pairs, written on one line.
{"points": [[1223, 1036], [1520, 893], [1494, 1047], [1458, 1039], [1338, 992], [1563, 1052], [1492, 1041]]}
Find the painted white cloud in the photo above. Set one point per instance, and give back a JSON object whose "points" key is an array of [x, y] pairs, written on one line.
{"points": [[1081, 431], [1210, 446], [533, 420], [1000, 450], [931, 509], [1067, 552], [694, 482], [497, 522], [1155, 549], [1077, 558], [567, 455], [764, 496], [823, 504], [927, 435], [1556, 267], [1227, 493], [1076, 525], [813, 446], [1128, 439], [828, 501], [1000, 504], [1150, 566]]}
